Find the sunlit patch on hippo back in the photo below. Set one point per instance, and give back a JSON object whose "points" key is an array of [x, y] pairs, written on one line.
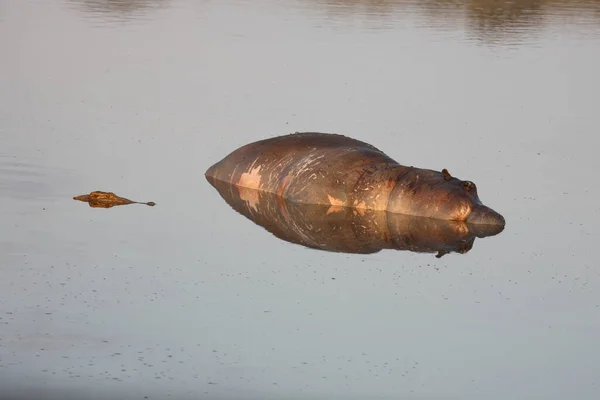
{"points": [[250, 179], [283, 185], [336, 204], [460, 212], [334, 209], [360, 211], [250, 196], [361, 207], [283, 207]]}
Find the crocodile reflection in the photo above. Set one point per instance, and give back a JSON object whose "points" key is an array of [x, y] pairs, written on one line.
{"points": [[98, 199], [345, 230]]}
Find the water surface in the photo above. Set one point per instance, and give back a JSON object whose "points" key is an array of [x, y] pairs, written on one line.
{"points": [[189, 299]]}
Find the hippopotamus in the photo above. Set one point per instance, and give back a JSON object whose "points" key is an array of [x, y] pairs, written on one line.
{"points": [[339, 171], [348, 230]]}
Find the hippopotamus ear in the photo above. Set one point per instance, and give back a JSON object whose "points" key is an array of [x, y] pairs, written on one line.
{"points": [[446, 174]]}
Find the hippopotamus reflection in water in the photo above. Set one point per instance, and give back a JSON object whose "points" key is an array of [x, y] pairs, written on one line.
{"points": [[340, 172], [347, 230]]}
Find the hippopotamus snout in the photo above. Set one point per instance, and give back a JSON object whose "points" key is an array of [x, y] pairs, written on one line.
{"points": [[483, 215]]}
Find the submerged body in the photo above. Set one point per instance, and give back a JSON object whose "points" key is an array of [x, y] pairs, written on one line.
{"points": [[351, 230], [334, 170]]}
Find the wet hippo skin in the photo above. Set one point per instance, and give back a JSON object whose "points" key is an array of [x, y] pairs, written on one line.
{"points": [[341, 172]]}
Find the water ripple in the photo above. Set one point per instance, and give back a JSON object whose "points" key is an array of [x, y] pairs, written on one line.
{"points": [[117, 11], [24, 179], [489, 22]]}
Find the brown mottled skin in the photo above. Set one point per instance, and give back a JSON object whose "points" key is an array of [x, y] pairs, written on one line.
{"points": [[334, 170], [350, 230], [98, 199]]}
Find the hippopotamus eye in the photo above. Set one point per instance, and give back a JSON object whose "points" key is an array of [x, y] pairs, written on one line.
{"points": [[468, 185]]}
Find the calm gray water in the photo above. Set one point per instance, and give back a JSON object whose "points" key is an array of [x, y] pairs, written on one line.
{"points": [[189, 299]]}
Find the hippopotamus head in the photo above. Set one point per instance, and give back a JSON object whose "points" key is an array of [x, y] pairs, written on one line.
{"points": [[439, 195]]}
